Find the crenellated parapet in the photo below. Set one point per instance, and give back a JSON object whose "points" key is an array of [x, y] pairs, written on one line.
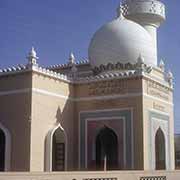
{"points": [[108, 72], [103, 72], [13, 69], [26, 68], [139, 67], [66, 65]]}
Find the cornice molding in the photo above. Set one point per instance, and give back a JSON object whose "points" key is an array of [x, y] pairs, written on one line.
{"points": [[129, 71], [66, 65]]}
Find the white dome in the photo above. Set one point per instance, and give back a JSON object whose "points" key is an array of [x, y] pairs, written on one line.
{"points": [[121, 41]]}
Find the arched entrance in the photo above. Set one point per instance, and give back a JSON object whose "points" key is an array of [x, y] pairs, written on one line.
{"points": [[160, 149], [2, 150], [106, 146], [58, 150]]}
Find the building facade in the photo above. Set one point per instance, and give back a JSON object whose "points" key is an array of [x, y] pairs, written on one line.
{"points": [[114, 111]]}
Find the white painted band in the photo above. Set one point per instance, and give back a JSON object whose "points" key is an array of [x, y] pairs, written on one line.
{"points": [[44, 92]]}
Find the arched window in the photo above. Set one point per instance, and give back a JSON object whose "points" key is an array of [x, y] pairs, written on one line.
{"points": [[106, 148], [160, 150], [58, 150]]}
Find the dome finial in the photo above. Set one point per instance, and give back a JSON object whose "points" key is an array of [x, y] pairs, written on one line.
{"points": [[120, 11], [170, 78], [140, 59], [32, 57], [72, 65], [162, 65], [71, 58]]}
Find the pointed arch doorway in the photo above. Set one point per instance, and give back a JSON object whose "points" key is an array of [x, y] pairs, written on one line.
{"points": [[160, 150], [56, 149], [106, 148]]}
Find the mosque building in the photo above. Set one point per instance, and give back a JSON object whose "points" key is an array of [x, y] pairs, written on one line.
{"points": [[114, 111]]}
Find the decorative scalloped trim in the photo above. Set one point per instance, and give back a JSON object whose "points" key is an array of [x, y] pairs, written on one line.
{"points": [[19, 67], [135, 70], [52, 74], [117, 66], [23, 68], [108, 75], [67, 64]]}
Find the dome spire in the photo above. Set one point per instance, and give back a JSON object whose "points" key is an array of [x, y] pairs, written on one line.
{"points": [[170, 78], [140, 59], [71, 58], [162, 65], [120, 11], [32, 57]]}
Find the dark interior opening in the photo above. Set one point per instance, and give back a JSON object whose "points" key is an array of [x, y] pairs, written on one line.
{"points": [[160, 150], [2, 150], [107, 146]]}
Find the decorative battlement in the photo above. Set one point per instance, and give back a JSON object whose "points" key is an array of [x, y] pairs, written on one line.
{"points": [[110, 71], [25, 68], [12, 69], [103, 72], [100, 179], [122, 67], [66, 65], [98, 175], [153, 178], [53, 74]]}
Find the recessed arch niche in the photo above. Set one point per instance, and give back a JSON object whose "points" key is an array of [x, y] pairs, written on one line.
{"points": [[56, 149], [160, 150]]}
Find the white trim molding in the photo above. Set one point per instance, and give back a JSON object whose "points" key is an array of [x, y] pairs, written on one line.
{"points": [[87, 98]]}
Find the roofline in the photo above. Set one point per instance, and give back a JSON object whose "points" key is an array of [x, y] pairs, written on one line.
{"points": [[66, 65]]}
